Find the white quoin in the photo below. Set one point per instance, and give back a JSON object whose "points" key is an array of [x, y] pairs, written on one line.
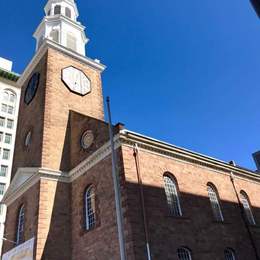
{"points": [[61, 26]]}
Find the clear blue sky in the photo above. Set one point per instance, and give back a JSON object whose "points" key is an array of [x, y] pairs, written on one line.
{"points": [[186, 72]]}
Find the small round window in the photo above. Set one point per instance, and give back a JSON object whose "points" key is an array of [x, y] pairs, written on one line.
{"points": [[87, 139], [28, 138]]}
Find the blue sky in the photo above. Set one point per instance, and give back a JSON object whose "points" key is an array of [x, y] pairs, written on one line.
{"points": [[186, 72]]}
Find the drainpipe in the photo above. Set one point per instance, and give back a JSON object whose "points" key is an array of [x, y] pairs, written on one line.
{"points": [[140, 183], [242, 212]]}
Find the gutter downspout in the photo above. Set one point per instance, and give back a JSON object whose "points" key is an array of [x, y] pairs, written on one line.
{"points": [[140, 183], [242, 211]]}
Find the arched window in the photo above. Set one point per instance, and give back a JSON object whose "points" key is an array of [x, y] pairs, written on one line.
{"points": [[57, 9], [20, 225], [229, 254], [247, 208], [172, 195], [90, 210], [71, 42], [54, 35], [214, 200], [68, 12], [184, 253]]}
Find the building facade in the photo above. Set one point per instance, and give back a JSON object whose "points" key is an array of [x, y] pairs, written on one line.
{"points": [[10, 97], [176, 204]]}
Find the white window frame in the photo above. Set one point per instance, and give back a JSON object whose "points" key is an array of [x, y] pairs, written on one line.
{"points": [[229, 254], [20, 225], [247, 208], [215, 203], [90, 208], [172, 195], [184, 253]]}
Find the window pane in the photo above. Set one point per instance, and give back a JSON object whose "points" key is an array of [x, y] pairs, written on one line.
{"points": [[2, 121], [10, 110], [2, 188], [4, 108], [68, 12], [172, 196], [12, 98], [10, 123], [184, 254], [6, 96], [3, 170], [215, 204], [20, 226], [6, 154], [90, 208], [8, 138], [247, 208], [71, 42], [57, 9], [1, 136], [229, 254]]}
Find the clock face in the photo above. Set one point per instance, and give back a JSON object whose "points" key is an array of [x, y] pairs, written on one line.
{"points": [[32, 88], [76, 81], [87, 139]]}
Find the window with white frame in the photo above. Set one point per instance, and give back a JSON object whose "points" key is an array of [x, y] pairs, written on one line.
{"points": [[10, 110], [12, 97], [2, 121], [8, 138], [247, 208], [3, 170], [90, 208], [6, 154], [71, 42], [10, 123], [172, 195], [2, 188], [4, 108], [184, 253], [20, 225], [229, 254], [55, 35], [57, 9], [68, 12], [214, 201], [1, 136]]}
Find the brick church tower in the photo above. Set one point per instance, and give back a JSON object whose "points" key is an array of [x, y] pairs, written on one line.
{"points": [[177, 204]]}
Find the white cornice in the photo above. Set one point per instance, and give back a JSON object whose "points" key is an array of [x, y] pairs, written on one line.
{"points": [[50, 44]]}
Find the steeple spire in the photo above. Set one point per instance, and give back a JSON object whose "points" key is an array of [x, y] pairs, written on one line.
{"points": [[60, 25]]}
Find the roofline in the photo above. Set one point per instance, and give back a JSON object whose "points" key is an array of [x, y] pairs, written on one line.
{"points": [[9, 75], [185, 154]]}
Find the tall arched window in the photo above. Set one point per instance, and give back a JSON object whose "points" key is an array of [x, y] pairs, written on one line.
{"points": [[172, 195], [57, 9], [184, 253], [20, 226], [90, 209], [68, 12], [214, 200], [229, 254], [247, 208]]}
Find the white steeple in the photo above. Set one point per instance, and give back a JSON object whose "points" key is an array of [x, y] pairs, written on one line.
{"points": [[61, 26]]}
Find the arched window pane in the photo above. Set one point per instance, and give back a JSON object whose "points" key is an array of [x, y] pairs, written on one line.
{"points": [[229, 254], [90, 213], [213, 197], [6, 96], [20, 225], [184, 254], [68, 12], [247, 208], [57, 9], [172, 196]]}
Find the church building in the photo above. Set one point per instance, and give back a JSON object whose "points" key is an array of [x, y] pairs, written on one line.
{"points": [[176, 204]]}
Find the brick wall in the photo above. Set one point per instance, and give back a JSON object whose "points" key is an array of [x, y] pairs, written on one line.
{"points": [[196, 229]]}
